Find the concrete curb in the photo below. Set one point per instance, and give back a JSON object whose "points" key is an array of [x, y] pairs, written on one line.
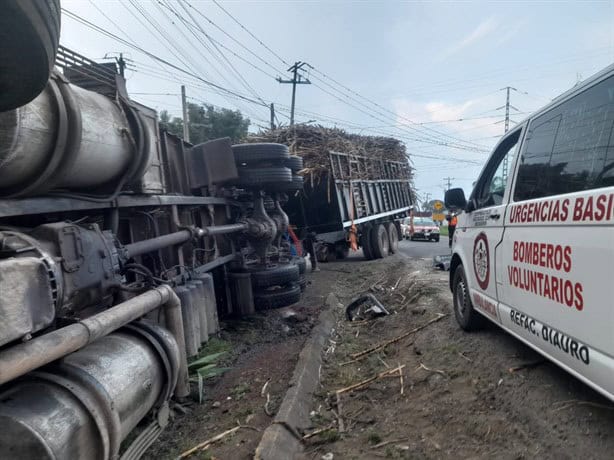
{"points": [[281, 440]]}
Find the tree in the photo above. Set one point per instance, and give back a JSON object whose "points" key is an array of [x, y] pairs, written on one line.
{"points": [[207, 122]]}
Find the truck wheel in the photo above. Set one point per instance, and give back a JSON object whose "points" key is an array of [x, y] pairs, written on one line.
{"points": [[379, 242], [30, 34], [278, 298], [342, 250], [276, 276], [294, 185], [365, 243], [295, 163], [393, 238], [300, 263], [251, 177], [302, 282], [467, 318], [257, 153]]}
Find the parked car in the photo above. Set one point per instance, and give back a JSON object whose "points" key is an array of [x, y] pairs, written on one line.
{"points": [[424, 228]]}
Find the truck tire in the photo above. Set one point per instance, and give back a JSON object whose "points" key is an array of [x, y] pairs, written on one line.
{"points": [[379, 242], [342, 250], [466, 317], [393, 238], [275, 276], [252, 177], [261, 152], [295, 163], [278, 298], [30, 34], [302, 282], [365, 243], [294, 185], [301, 263]]}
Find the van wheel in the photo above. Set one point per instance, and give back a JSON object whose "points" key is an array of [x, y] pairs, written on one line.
{"points": [[467, 318]]}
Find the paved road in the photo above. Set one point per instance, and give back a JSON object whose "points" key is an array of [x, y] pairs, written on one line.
{"points": [[424, 249]]}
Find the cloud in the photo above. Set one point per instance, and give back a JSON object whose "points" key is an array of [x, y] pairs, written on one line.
{"points": [[483, 29]]}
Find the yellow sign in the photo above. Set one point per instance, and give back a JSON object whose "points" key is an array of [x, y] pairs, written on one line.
{"points": [[438, 205], [437, 216]]}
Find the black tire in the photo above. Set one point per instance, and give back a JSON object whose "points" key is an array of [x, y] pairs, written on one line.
{"points": [[436, 239], [301, 263], [393, 238], [342, 250], [466, 317], [294, 185], [29, 34], [257, 153], [379, 242], [302, 282], [365, 243], [278, 298], [275, 276], [295, 163], [255, 177]]}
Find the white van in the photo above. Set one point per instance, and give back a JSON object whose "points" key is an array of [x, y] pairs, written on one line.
{"points": [[534, 248]]}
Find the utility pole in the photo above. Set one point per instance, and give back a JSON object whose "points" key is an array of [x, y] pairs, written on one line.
{"points": [[186, 115], [122, 64], [507, 123], [448, 180], [272, 116], [296, 80]]}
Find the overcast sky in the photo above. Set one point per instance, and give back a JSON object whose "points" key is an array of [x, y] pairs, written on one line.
{"points": [[426, 65]]}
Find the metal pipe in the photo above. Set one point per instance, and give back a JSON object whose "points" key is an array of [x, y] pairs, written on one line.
{"points": [[153, 244], [23, 358], [180, 237], [222, 229]]}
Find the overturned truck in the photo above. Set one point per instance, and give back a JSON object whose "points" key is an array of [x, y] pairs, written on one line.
{"points": [[120, 245], [356, 189]]}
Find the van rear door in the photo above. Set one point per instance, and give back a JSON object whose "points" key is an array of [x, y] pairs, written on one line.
{"points": [[557, 254]]}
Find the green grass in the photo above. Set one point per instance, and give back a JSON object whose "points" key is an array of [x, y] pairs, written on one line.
{"points": [[443, 230]]}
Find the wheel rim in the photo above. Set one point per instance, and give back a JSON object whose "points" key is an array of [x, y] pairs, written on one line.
{"points": [[461, 297]]}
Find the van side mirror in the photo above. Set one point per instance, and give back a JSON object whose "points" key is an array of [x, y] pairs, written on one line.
{"points": [[455, 199]]}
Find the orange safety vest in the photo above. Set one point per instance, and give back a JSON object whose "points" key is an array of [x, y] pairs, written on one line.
{"points": [[453, 221]]}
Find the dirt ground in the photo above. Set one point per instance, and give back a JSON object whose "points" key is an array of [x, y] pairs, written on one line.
{"points": [[458, 397]]}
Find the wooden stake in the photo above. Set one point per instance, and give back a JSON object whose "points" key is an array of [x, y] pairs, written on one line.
{"points": [[396, 339]]}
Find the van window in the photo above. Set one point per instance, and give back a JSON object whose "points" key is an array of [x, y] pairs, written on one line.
{"points": [[571, 147], [492, 183]]}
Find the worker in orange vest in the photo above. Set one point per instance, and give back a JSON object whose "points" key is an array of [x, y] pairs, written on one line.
{"points": [[452, 221]]}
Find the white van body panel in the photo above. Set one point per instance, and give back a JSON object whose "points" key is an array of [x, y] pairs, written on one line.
{"points": [[550, 278]]}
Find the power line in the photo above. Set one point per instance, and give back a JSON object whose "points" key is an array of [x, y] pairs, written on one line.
{"points": [[251, 34], [92, 26]]}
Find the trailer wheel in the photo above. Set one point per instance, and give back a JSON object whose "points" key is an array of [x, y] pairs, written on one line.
{"points": [[365, 243], [342, 250], [275, 276], [393, 238], [295, 163], [379, 242], [251, 177], [30, 34], [256, 153], [278, 298]]}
